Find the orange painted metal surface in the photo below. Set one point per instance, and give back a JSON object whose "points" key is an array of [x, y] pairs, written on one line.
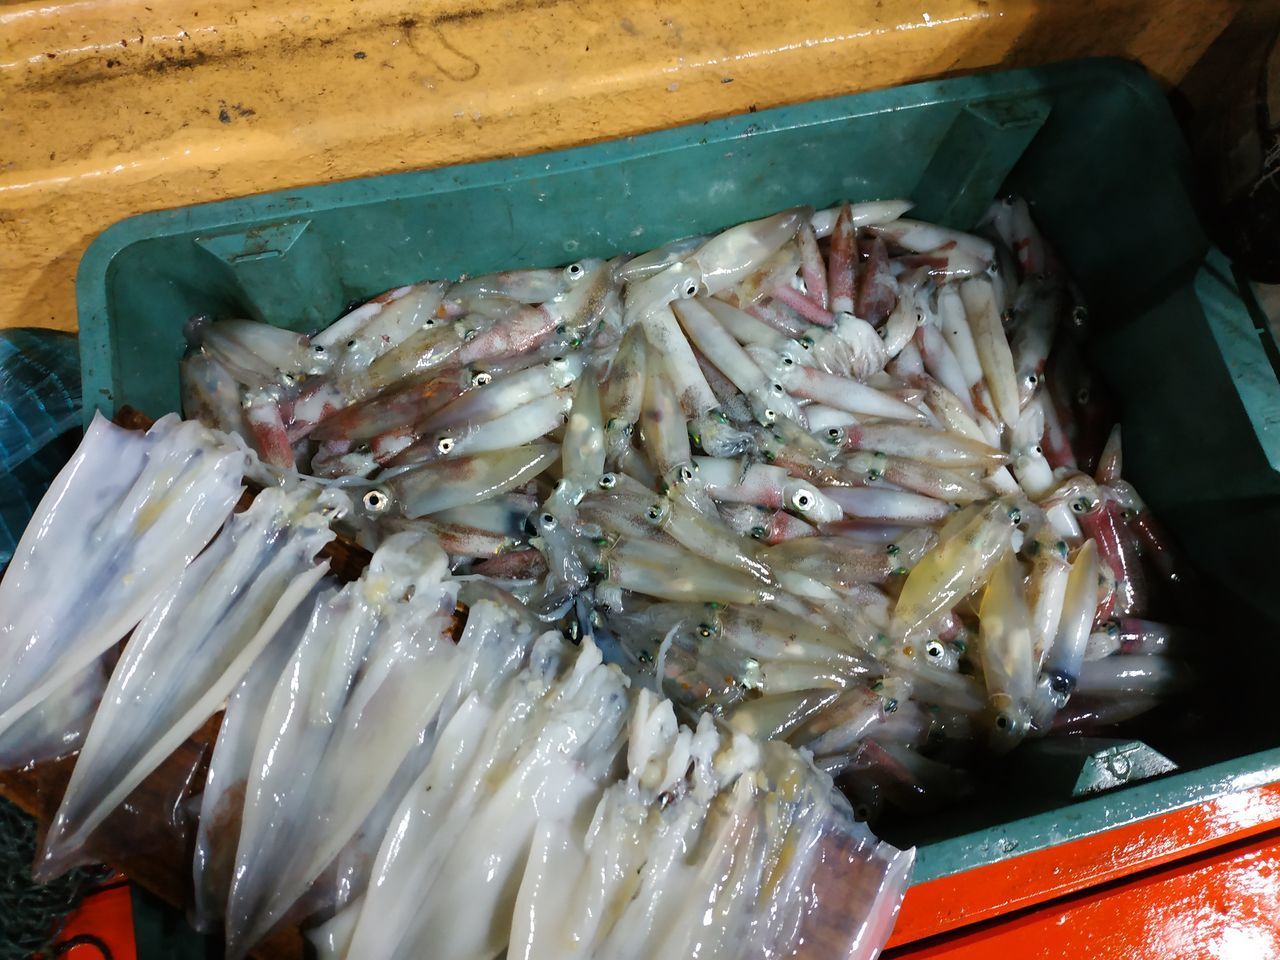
{"points": [[951, 902], [1222, 905], [105, 915], [115, 107]]}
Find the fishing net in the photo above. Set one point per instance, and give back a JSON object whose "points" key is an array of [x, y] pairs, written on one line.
{"points": [[31, 915], [39, 421]]}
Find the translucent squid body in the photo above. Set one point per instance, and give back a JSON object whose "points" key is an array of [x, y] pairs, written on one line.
{"points": [[190, 651], [121, 522]]}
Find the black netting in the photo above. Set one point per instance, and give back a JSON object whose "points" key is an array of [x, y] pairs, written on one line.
{"points": [[31, 915]]}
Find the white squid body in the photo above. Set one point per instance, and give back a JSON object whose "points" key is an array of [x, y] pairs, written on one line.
{"points": [[56, 727], [121, 521], [188, 654], [535, 744], [354, 700], [222, 800], [703, 852]]}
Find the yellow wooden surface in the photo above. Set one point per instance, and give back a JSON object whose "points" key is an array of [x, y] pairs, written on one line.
{"points": [[114, 107]]}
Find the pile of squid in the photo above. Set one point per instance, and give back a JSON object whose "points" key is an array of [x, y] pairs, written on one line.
{"points": [[398, 783], [837, 476], [824, 499]]}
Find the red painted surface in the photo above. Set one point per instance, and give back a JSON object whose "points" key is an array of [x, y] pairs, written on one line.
{"points": [[1201, 882], [1221, 905], [106, 915], [949, 903]]}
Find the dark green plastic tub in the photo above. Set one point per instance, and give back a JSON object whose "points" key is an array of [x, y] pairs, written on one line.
{"points": [[1092, 144]]}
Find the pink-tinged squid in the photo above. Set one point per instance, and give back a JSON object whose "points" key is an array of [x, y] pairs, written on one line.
{"points": [[918, 443], [765, 486], [992, 347]]}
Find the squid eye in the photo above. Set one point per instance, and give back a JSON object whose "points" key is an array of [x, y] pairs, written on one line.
{"points": [[769, 415], [481, 378], [560, 328], [375, 501], [444, 445], [608, 481], [558, 361], [1080, 317], [1032, 380], [934, 650], [919, 318], [874, 474], [788, 360], [685, 474], [690, 289], [758, 533], [431, 322], [776, 389], [704, 631], [1083, 396], [1037, 450], [318, 348], [1003, 722], [654, 512], [548, 521], [1080, 505], [350, 344], [574, 271], [893, 549], [834, 433], [559, 485], [806, 342], [803, 500], [1015, 515]]}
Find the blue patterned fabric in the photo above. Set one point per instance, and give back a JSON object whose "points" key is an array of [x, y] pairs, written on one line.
{"points": [[40, 414]]}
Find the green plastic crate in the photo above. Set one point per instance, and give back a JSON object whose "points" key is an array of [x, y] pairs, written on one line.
{"points": [[1092, 144]]}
